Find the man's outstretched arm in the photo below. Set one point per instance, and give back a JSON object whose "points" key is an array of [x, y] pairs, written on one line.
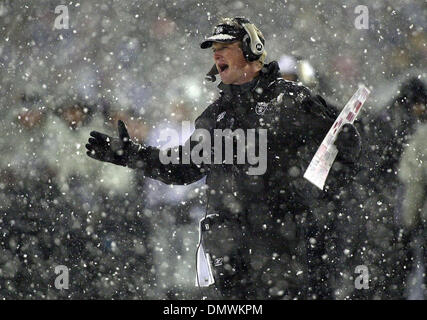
{"points": [[124, 152]]}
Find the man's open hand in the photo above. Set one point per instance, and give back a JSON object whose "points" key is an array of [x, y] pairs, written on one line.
{"points": [[115, 150]]}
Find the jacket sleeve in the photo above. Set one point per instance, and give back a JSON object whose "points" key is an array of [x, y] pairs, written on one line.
{"points": [[308, 116], [320, 117], [312, 119], [180, 171]]}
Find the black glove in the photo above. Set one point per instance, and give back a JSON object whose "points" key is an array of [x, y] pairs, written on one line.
{"points": [[121, 151], [348, 143]]}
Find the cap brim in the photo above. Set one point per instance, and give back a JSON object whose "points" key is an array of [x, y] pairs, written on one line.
{"points": [[223, 38]]}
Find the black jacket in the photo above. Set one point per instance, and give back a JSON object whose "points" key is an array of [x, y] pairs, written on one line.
{"points": [[296, 124], [266, 214]]}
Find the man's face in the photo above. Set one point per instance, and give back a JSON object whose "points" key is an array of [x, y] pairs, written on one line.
{"points": [[419, 109], [30, 119], [74, 116], [230, 62]]}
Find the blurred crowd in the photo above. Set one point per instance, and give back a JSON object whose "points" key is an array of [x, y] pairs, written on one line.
{"points": [[109, 225], [124, 236]]}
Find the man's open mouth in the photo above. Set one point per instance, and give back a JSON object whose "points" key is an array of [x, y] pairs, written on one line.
{"points": [[222, 67]]}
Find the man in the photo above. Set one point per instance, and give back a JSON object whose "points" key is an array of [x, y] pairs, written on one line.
{"points": [[413, 174], [386, 134], [258, 231]]}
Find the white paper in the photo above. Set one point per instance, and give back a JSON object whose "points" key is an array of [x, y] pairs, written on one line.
{"points": [[204, 276], [319, 167]]}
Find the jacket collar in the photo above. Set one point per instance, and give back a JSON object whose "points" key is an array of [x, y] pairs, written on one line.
{"points": [[268, 73], [237, 90]]}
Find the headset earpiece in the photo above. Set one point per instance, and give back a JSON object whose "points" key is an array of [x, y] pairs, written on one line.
{"points": [[253, 46]]}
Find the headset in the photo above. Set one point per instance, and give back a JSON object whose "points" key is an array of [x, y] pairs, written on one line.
{"points": [[253, 46]]}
